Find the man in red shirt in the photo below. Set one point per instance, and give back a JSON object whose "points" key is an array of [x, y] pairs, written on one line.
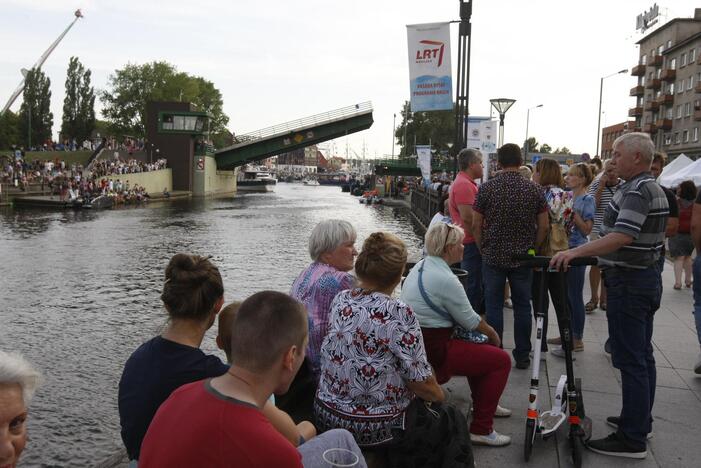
{"points": [[463, 192], [218, 422]]}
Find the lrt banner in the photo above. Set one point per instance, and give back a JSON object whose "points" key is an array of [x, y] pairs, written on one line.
{"points": [[423, 160], [430, 73]]}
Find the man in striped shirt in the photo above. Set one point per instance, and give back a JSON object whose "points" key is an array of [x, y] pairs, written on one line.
{"points": [[632, 233]]}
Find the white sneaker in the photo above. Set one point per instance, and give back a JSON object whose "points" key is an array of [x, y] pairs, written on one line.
{"points": [[697, 367], [502, 412], [494, 439]]}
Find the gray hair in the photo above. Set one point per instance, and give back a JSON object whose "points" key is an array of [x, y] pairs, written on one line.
{"points": [[441, 235], [329, 235], [14, 369], [637, 142], [468, 157]]}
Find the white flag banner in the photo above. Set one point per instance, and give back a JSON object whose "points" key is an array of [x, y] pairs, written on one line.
{"points": [[423, 154], [430, 74], [488, 136]]}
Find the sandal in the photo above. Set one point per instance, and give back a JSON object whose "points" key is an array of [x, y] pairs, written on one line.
{"points": [[602, 306], [677, 287], [590, 306], [688, 285]]}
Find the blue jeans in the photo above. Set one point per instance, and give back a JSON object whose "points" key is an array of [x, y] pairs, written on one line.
{"points": [[520, 280], [575, 296], [472, 264], [633, 298], [697, 295]]}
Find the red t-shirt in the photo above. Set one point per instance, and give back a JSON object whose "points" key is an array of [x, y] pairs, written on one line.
{"points": [[198, 426], [463, 191]]}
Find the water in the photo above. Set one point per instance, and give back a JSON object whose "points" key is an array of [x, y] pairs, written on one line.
{"points": [[80, 291]]}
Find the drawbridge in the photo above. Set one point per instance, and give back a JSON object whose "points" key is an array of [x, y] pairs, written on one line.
{"points": [[293, 135]]}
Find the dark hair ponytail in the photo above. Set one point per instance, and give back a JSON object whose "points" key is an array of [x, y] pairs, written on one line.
{"points": [[192, 287]]}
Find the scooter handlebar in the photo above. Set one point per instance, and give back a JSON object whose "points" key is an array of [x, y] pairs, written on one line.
{"points": [[542, 261]]}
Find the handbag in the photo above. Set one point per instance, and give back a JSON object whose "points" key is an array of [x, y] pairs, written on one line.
{"points": [[555, 241]]}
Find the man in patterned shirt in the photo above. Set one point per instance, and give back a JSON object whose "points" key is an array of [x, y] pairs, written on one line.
{"points": [[509, 217], [632, 234]]}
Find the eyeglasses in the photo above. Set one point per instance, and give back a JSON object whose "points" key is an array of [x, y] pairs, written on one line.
{"points": [[447, 234]]}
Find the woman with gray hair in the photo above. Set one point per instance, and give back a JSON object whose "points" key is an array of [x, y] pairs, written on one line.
{"points": [[18, 381], [439, 302]]}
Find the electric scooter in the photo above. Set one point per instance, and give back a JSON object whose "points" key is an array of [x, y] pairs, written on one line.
{"points": [[568, 403]]}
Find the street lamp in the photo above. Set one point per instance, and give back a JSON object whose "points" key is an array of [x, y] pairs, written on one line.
{"points": [[394, 125], [528, 116], [601, 91], [502, 105]]}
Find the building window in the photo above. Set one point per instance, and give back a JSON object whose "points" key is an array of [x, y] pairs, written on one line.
{"points": [[679, 111], [689, 84], [669, 43], [669, 114], [680, 87], [671, 88], [673, 63], [676, 138], [687, 109], [643, 59], [692, 56], [683, 60], [660, 49], [667, 139], [686, 136], [696, 133]]}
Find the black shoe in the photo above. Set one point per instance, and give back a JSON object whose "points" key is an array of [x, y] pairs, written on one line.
{"points": [[614, 421], [607, 346], [523, 363], [615, 447]]}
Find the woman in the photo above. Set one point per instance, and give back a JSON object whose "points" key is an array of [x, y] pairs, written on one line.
{"points": [[548, 174], [578, 228], [193, 294], [440, 303], [681, 246], [18, 381], [375, 379]]}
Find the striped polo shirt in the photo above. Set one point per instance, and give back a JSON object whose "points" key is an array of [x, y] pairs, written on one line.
{"points": [[604, 200], [638, 209]]}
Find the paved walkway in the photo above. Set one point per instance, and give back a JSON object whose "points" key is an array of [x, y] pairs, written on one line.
{"points": [[677, 410]]}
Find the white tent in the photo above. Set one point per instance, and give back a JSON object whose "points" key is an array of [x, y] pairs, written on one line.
{"points": [[680, 162], [691, 172]]}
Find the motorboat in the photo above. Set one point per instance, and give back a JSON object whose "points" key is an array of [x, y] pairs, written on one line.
{"points": [[255, 179], [312, 182]]}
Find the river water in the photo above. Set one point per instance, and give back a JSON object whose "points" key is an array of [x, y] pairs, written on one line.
{"points": [[79, 291]]}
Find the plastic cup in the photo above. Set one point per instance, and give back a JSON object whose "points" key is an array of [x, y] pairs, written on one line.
{"points": [[341, 458]]}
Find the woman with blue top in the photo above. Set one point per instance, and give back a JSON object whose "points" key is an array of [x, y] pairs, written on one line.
{"points": [[578, 227], [439, 302]]}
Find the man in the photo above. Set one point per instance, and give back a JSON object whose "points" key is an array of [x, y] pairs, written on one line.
{"points": [[658, 162], [696, 237], [602, 189], [632, 234], [218, 422], [463, 192], [509, 217]]}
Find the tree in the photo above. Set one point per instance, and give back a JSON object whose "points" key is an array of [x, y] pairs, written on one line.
{"points": [[79, 103], [545, 148], [134, 85], [437, 127], [563, 150], [35, 115], [531, 145], [9, 130]]}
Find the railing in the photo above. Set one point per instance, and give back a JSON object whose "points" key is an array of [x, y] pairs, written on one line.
{"points": [[318, 119], [425, 203]]}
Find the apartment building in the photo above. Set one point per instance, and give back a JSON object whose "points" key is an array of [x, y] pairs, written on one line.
{"points": [[668, 92], [609, 135]]}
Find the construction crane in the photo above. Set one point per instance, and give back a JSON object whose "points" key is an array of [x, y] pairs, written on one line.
{"points": [[40, 62]]}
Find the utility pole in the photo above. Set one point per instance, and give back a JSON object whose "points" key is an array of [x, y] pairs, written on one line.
{"points": [[463, 79]]}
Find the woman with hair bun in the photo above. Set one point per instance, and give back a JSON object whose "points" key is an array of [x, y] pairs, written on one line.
{"points": [[193, 294], [376, 381]]}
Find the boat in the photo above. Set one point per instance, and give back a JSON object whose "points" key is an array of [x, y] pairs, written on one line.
{"points": [[255, 179], [371, 198], [312, 182], [97, 203]]}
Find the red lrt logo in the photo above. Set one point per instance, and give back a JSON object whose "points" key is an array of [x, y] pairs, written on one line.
{"points": [[431, 52]]}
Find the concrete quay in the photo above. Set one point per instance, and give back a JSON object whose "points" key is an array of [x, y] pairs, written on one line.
{"points": [[677, 410]]}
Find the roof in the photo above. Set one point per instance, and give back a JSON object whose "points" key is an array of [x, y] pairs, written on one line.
{"points": [[683, 43], [665, 26]]}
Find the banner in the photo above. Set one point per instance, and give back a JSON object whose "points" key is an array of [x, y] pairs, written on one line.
{"points": [[423, 160], [488, 136], [430, 74]]}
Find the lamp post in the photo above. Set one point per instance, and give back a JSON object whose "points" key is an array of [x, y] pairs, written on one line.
{"points": [[394, 125], [528, 116], [601, 93], [502, 105]]}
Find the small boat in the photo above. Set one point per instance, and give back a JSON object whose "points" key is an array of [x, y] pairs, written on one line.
{"points": [[370, 198], [312, 182], [256, 179]]}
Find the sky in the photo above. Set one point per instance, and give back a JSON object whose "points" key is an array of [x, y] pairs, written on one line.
{"points": [[276, 61]]}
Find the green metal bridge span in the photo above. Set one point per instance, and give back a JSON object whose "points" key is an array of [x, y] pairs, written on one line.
{"points": [[293, 135]]}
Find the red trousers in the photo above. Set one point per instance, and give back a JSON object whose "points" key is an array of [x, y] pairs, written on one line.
{"points": [[485, 366]]}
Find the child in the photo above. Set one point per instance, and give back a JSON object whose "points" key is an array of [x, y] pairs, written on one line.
{"points": [[296, 434]]}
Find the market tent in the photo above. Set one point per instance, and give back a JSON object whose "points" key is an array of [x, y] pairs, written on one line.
{"points": [[679, 163], [691, 172]]}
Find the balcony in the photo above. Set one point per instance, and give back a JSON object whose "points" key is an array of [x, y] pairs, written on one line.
{"points": [[697, 88], [664, 124], [654, 83], [655, 61], [638, 70], [638, 90], [635, 111], [666, 99], [637, 129], [650, 128], [668, 74], [652, 106], [697, 115]]}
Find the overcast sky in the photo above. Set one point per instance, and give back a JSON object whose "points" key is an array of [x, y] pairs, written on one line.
{"points": [[276, 61]]}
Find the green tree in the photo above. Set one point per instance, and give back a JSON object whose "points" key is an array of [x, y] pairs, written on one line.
{"points": [[134, 85], [531, 145], [36, 119], [437, 127], [563, 150], [545, 148], [79, 103], [9, 130]]}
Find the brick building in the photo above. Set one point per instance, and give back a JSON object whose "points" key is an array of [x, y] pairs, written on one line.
{"points": [[609, 135]]}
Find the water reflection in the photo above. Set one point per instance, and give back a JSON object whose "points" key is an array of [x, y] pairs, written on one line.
{"points": [[80, 290]]}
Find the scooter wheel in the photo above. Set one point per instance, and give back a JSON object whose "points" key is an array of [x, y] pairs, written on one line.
{"points": [[530, 438], [577, 445]]}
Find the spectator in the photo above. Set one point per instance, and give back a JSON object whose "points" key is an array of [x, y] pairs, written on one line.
{"points": [[658, 162], [681, 246], [696, 237]]}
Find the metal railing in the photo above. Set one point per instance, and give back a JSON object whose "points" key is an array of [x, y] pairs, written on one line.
{"points": [[425, 203], [313, 120]]}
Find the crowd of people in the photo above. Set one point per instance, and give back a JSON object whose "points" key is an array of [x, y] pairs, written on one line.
{"points": [[343, 369]]}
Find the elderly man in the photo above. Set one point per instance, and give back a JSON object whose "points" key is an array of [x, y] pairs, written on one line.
{"points": [[632, 234]]}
